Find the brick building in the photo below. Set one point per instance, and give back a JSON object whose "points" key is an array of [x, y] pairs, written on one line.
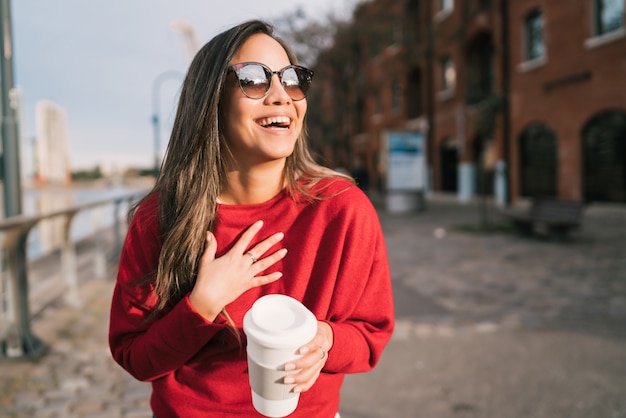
{"points": [[517, 98]]}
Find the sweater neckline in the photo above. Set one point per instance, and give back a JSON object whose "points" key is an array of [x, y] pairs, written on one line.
{"points": [[269, 202]]}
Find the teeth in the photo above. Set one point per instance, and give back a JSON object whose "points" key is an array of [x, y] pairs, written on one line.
{"points": [[276, 120]]}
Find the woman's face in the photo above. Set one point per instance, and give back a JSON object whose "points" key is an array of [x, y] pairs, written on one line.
{"points": [[251, 127]]}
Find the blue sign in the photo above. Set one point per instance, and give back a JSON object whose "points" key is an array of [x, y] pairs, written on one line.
{"points": [[406, 161]]}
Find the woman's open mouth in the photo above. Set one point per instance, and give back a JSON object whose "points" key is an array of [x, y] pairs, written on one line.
{"points": [[275, 122]]}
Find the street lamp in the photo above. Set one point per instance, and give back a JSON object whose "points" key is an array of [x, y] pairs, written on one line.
{"points": [[156, 88], [20, 342], [9, 131]]}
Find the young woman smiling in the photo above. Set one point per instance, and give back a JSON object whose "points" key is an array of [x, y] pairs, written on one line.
{"points": [[241, 210]]}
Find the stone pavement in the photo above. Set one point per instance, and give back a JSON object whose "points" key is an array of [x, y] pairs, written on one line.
{"points": [[490, 325]]}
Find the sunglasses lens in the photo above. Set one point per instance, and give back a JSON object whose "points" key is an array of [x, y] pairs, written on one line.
{"points": [[296, 82], [254, 80]]}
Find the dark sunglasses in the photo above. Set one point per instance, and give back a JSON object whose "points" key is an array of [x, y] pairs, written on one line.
{"points": [[255, 79]]}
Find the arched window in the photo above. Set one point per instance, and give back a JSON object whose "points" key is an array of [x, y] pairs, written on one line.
{"points": [[448, 163], [414, 94], [478, 68], [538, 163], [604, 157]]}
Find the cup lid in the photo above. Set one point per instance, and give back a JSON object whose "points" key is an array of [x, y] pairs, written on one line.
{"points": [[279, 321]]}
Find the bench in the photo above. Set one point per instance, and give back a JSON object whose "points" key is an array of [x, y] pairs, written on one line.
{"points": [[557, 216]]}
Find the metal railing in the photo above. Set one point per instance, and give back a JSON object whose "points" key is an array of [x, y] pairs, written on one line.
{"points": [[16, 313]]}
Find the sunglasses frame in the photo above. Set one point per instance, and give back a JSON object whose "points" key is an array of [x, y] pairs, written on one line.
{"points": [[269, 74]]}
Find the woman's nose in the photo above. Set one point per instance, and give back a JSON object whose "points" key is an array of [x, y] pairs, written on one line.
{"points": [[277, 93]]}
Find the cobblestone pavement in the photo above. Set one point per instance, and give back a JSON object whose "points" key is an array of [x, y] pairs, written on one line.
{"points": [[498, 325], [506, 280], [491, 325]]}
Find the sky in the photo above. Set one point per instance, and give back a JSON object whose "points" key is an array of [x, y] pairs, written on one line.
{"points": [[99, 61]]}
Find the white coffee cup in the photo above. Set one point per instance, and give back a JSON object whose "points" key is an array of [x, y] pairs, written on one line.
{"points": [[275, 326]]}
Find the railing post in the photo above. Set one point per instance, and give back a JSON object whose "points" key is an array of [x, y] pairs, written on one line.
{"points": [[117, 234], [99, 268], [69, 264], [16, 338], [20, 342]]}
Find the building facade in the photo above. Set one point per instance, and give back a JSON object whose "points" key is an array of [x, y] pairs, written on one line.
{"points": [[52, 159], [516, 98]]}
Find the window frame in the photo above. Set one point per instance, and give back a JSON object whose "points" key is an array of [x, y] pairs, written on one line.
{"points": [[598, 37], [530, 33], [599, 27], [444, 9], [447, 63], [448, 86], [445, 5]]}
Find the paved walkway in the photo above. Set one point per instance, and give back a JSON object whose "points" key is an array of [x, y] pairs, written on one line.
{"points": [[488, 325]]}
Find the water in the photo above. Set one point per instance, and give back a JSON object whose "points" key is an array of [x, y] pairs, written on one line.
{"points": [[47, 235]]}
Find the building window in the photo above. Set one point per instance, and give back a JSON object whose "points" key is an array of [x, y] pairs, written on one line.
{"points": [[538, 152], [448, 74], [534, 47], [608, 16], [446, 5], [604, 159], [444, 9], [414, 94]]}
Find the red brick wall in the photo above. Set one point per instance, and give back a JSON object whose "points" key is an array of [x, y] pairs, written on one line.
{"points": [[573, 84]]}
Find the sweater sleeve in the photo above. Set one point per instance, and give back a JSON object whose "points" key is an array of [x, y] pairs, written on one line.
{"points": [[149, 348], [362, 310]]}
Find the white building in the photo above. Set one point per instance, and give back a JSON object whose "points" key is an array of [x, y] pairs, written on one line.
{"points": [[52, 157]]}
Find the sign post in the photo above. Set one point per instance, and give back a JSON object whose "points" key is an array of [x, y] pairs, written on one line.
{"points": [[406, 170]]}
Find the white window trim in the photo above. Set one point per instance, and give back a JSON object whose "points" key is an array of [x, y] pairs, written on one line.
{"points": [[444, 13], [533, 64], [607, 38]]}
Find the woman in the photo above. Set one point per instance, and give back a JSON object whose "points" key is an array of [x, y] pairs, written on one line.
{"points": [[240, 210]]}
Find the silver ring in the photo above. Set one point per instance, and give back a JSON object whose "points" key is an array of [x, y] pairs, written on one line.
{"points": [[254, 259]]}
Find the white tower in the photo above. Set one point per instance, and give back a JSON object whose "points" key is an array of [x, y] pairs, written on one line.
{"points": [[51, 144]]}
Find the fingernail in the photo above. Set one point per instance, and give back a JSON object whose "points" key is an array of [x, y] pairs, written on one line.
{"points": [[290, 366], [283, 251], [280, 235], [297, 389], [259, 224], [288, 380], [304, 350]]}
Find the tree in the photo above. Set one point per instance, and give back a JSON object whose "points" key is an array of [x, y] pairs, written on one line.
{"points": [[307, 36]]}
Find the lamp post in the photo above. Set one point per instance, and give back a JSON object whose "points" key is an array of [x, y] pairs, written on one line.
{"points": [[10, 138], [20, 341], [156, 89]]}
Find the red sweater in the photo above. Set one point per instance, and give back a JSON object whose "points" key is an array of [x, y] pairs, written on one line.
{"points": [[336, 266]]}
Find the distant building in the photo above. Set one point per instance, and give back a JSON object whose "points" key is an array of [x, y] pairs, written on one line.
{"points": [[52, 160], [518, 98]]}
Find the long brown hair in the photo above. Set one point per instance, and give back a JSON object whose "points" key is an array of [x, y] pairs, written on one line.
{"points": [[195, 165]]}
